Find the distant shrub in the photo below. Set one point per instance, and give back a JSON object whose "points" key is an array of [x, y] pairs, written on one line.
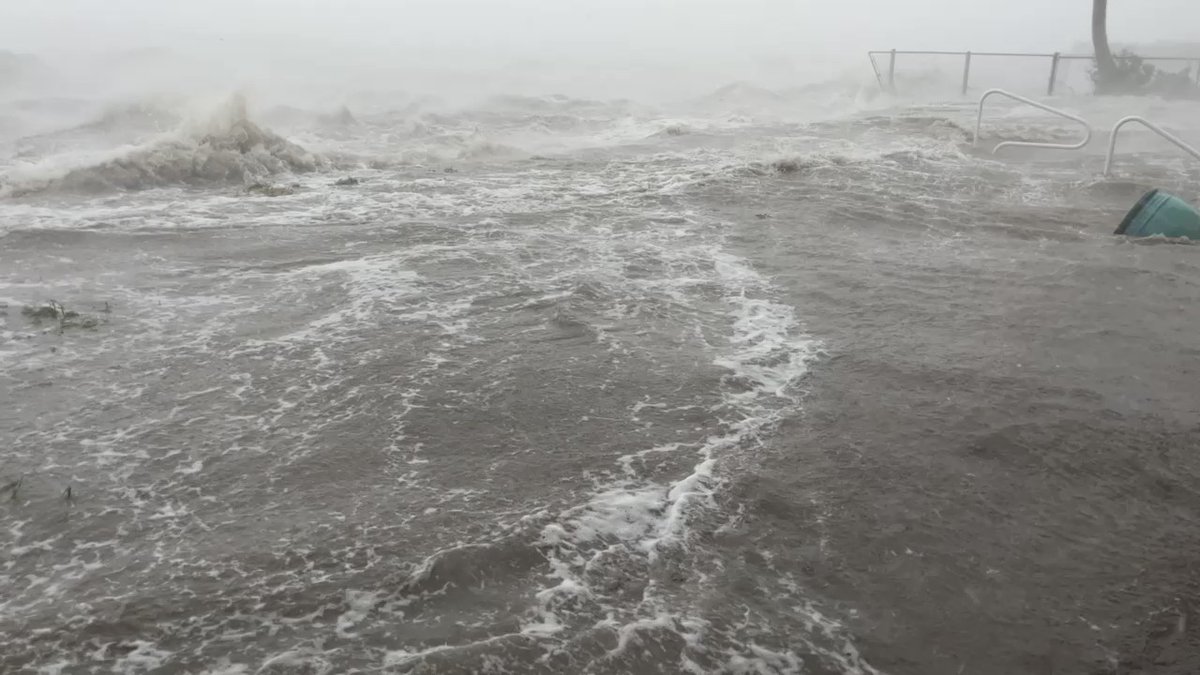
{"points": [[1132, 75]]}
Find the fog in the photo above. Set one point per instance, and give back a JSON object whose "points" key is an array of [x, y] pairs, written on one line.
{"points": [[617, 47]]}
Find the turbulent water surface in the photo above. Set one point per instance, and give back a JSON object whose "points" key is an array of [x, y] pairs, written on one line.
{"points": [[747, 385]]}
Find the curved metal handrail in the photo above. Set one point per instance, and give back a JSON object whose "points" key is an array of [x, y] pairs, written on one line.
{"points": [[1112, 142], [1028, 144]]}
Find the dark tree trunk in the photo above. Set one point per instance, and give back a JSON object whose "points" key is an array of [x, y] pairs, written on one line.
{"points": [[1106, 67]]}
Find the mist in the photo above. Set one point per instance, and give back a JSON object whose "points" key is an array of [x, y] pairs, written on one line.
{"points": [[657, 48]]}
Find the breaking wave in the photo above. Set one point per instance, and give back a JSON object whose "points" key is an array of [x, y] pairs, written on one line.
{"points": [[227, 149]]}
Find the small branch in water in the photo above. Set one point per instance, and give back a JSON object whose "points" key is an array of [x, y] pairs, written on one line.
{"points": [[14, 486]]}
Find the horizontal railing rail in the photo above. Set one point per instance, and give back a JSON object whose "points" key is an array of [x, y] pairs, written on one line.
{"points": [[1055, 60], [1044, 55], [901, 52]]}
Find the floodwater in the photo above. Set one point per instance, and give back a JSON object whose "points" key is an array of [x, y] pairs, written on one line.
{"points": [[744, 384]]}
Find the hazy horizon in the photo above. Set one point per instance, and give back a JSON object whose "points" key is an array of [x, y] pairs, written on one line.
{"points": [[650, 49], [534, 26]]}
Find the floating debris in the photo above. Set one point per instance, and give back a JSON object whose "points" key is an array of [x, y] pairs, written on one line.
{"points": [[271, 190], [786, 166], [55, 311], [13, 488]]}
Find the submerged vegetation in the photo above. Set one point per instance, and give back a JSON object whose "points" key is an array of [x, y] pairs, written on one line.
{"points": [[63, 318]]}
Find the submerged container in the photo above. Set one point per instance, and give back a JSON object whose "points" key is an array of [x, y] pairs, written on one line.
{"points": [[1160, 213]]}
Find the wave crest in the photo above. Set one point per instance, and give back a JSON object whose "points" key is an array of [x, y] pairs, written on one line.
{"points": [[226, 149]]}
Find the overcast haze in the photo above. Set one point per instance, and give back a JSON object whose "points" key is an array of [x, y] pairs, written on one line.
{"points": [[531, 45], [527, 25]]}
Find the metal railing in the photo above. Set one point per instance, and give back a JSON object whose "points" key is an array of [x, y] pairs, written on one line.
{"points": [[1056, 59], [1112, 142], [1041, 106]]}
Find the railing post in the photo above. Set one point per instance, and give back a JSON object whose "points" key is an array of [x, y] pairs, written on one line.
{"points": [[1198, 73], [1053, 73], [966, 73], [892, 73]]}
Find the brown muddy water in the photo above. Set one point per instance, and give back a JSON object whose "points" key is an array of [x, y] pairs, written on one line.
{"points": [[569, 386]]}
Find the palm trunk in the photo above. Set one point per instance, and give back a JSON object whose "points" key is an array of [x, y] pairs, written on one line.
{"points": [[1106, 67]]}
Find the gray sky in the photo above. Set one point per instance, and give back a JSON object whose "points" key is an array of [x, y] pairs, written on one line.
{"points": [[534, 26], [610, 47]]}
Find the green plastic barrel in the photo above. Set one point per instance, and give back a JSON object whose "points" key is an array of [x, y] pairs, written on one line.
{"points": [[1160, 213]]}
